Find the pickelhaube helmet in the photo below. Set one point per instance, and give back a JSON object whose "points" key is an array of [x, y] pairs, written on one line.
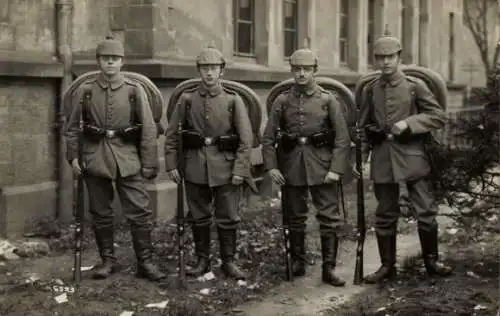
{"points": [[111, 47], [210, 55], [304, 56], [387, 44]]}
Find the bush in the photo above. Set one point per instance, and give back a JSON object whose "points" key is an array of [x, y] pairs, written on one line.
{"points": [[472, 166]]}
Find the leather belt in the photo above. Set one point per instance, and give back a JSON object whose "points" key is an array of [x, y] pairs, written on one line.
{"points": [[111, 133], [209, 141], [302, 140]]}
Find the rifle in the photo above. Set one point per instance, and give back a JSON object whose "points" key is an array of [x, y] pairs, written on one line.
{"points": [[180, 206], [358, 270], [79, 210], [284, 211]]}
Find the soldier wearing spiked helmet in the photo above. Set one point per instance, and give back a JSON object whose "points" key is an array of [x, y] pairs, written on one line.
{"points": [[217, 162], [110, 154], [396, 112], [313, 145]]}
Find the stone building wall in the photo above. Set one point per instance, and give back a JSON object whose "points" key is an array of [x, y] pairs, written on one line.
{"points": [[161, 38]]}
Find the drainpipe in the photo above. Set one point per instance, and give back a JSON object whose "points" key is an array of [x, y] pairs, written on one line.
{"points": [[64, 13]]}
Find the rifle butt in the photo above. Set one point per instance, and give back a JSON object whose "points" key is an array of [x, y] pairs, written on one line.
{"points": [[180, 234], [77, 271], [286, 235], [358, 269], [288, 255]]}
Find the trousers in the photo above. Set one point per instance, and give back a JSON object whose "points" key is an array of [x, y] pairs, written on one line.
{"points": [[221, 203], [387, 212], [324, 199], [133, 197]]}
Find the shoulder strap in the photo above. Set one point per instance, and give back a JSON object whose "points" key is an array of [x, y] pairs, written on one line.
{"points": [[329, 124], [184, 111], [86, 98], [282, 122], [132, 97], [369, 98], [413, 95]]}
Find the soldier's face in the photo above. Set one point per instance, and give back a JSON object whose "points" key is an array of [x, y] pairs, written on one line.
{"points": [[110, 65], [210, 74], [303, 74], [388, 64]]}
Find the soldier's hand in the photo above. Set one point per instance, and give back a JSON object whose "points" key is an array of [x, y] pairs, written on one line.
{"points": [[399, 127], [149, 173], [174, 175], [237, 180], [75, 165], [331, 177], [365, 167], [277, 176]]}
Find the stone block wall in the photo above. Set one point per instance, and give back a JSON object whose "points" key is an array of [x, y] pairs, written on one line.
{"points": [[161, 39]]}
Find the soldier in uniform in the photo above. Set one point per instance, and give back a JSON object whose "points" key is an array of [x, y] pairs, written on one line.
{"points": [[217, 141], [397, 114], [119, 144], [311, 156]]}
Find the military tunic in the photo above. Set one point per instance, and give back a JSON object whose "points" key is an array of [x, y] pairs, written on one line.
{"points": [[208, 172], [391, 100], [303, 113], [108, 107]]}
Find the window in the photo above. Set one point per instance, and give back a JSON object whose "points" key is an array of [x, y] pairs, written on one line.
{"points": [[451, 49], [371, 31], [404, 8], [290, 20], [244, 20], [344, 31], [406, 32]]}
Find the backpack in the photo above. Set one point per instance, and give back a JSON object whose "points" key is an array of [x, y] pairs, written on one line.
{"points": [[153, 95], [414, 74], [343, 94], [249, 97], [436, 84]]}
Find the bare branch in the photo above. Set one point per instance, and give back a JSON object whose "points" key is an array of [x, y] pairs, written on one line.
{"points": [[496, 55], [476, 19]]}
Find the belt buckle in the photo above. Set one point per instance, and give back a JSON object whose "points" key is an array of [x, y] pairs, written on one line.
{"points": [[302, 140], [390, 136], [208, 141], [110, 133]]}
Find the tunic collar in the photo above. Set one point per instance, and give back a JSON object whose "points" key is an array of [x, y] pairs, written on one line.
{"points": [[393, 80], [213, 90], [115, 83], [308, 90]]}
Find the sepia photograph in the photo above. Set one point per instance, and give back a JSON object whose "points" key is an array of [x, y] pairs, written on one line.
{"points": [[250, 157]]}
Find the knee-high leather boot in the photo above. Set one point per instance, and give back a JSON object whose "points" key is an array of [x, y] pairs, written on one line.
{"points": [[201, 236], [387, 251], [329, 250], [141, 238], [227, 239], [429, 244]]}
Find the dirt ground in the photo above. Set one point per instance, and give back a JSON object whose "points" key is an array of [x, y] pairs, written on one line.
{"points": [[31, 286], [472, 290]]}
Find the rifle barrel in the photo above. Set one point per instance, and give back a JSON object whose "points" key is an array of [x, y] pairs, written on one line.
{"points": [[358, 270]]}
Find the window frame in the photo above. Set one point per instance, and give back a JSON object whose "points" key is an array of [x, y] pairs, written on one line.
{"points": [[344, 41], [236, 23], [294, 30]]}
